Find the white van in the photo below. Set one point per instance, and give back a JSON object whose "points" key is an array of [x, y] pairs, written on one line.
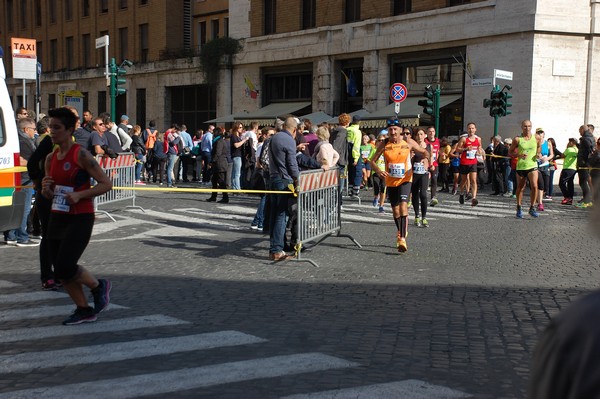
{"points": [[12, 200]]}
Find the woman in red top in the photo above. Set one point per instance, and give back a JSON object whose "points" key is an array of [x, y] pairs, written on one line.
{"points": [[67, 183]]}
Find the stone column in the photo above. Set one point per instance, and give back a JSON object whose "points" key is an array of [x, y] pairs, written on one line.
{"points": [[322, 86]]}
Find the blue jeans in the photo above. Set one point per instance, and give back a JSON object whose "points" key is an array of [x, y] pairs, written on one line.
{"points": [[278, 209], [259, 216], [20, 234], [508, 180], [236, 172], [138, 166], [171, 158]]}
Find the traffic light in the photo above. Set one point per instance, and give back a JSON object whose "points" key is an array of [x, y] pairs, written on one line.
{"points": [[507, 104], [428, 104], [120, 81], [495, 103]]}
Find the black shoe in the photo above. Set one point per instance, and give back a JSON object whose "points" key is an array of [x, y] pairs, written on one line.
{"points": [[101, 295], [461, 199], [81, 315], [223, 201], [211, 199], [495, 193]]}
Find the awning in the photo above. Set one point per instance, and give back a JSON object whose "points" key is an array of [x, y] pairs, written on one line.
{"points": [[228, 118], [316, 117], [363, 113], [267, 115], [409, 114]]}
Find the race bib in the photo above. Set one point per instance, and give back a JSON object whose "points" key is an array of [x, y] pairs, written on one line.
{"points": [[471, 154], [434, 155], [396, 170], [59, 202], [419, 168]]}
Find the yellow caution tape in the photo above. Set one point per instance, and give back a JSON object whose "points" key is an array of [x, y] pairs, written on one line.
{"points": [[15, 169], [202, 190]]}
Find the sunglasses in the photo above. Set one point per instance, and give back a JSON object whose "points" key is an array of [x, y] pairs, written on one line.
{"points": [[393, 122]]}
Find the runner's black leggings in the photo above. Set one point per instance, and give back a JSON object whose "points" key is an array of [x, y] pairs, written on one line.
{"points": [[419, 193], [68, 236]]}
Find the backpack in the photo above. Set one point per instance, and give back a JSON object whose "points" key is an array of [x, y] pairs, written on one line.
{"points": [[151, 139], [264, 155]]}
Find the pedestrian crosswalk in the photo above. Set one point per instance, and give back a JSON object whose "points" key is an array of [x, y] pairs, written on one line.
{"points": [[165, 377]]}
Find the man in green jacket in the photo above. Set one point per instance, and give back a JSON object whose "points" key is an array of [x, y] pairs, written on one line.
{"points": [[355, 163]]}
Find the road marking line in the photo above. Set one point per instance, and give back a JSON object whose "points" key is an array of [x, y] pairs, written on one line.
{"points": [[191, 378], [163, 232], [413, 389], [8, 284], [107, 227], [177, 218], [43, 311], [31, 296], [119, 351], [129, 323]]}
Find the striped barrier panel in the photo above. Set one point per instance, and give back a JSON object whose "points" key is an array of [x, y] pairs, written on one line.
{"points": [[318, 208], [121, 172]]}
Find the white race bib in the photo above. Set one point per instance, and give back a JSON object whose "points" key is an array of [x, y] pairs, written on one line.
{"points": [[419, 168], [434, 155], [59, 202], [471, 154], [396, 170]]}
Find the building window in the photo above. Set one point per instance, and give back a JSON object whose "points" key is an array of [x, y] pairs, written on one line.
{"points": [[282, 86], [309, 14], [39, 52], [144, 43], [53, 55], [103, 6], [69, 52], [202, 33], [68, 10], [9, 13], [102, 102], [226, 27], [24, 15], [38, 12], [122, 4], [86, 41], [402, 7], [52, 11], [85, 8], [270, 16], [352, 10], [143, 2], [140, 107], [214, 29], [51, 101], [123, 43], [452, 3]]}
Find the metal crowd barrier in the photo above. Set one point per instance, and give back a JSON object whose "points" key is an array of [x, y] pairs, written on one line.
{"points": [[318, 210], [121, 172]]}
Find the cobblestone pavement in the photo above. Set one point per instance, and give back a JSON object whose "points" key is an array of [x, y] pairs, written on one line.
{"points": [[198, 311]]}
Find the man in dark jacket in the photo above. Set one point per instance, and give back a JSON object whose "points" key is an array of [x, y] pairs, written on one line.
{"points": [[586, 147], [500, 160], [219, 164], [339, 140]]}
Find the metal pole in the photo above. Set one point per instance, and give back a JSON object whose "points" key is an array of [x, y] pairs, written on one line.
{"points": [[24, 94], [113, 89], [496, 117], [436, 106]]}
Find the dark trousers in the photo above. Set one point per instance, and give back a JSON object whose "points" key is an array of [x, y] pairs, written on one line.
{"points": [[566, 184], [218, 182], [584, 183], [158, 170], [498, 178], [443, 175], [206, 170], [42, 207]]}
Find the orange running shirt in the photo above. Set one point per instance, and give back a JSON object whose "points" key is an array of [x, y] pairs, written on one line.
{"points": [[397, 164]]}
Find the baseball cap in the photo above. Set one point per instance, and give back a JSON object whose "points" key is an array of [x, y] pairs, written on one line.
{"points": [[124, 117], [356, 118], [539, 130]]}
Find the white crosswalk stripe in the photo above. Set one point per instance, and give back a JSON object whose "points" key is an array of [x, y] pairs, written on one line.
{"points": [[125, 324], [164, 381], [42, 311], [190, 378], [7, 284]]}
